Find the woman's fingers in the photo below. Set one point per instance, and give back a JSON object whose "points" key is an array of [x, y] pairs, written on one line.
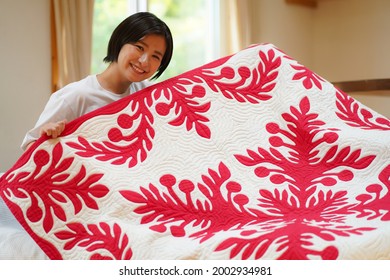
{"points": [[53, 130]]}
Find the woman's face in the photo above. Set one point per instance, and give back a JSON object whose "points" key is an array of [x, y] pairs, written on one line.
{"points": [[139, 61]]}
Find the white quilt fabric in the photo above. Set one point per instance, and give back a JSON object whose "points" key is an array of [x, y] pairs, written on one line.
{"points": [[15, 242], [252, 156]]}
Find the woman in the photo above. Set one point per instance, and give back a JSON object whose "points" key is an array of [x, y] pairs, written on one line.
{"points": [[140, 48]]}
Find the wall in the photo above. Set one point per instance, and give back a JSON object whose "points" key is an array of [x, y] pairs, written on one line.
{"points": [[351, 39], [288, 27], [351, 42], [341, 40], [25, 71]]}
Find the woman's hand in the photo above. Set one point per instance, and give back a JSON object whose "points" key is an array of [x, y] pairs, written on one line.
{"points": [[53, 129]]}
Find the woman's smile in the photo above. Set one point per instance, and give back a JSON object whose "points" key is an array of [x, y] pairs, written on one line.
{"points": [[137, 69]]}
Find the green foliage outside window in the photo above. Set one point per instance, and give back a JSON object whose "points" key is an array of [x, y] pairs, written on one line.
{"points": [[188, 21], [107, 15]]}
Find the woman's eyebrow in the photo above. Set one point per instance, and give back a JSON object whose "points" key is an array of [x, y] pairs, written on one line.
{"points": [[146, 45], [159, 53]]}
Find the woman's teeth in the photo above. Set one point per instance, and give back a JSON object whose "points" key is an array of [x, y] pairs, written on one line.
{"points": [[137, 69]]}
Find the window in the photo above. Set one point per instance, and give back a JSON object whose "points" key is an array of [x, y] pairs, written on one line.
{"points": [[107, 15], [193, 25]]}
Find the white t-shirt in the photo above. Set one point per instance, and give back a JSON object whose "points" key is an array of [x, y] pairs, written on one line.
{"points": [[75, 100]]}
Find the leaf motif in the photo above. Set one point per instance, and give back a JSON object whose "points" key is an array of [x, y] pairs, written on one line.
{"points": [[351, 112], [138, 141], [96, 237]]}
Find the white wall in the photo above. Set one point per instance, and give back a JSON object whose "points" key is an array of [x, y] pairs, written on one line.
{"points": [[25, 72]]}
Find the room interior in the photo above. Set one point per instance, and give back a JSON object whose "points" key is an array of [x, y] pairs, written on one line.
{"points": [[264, 154]]}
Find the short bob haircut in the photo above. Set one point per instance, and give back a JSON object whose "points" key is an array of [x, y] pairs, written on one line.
{"points": [[134, 28]]}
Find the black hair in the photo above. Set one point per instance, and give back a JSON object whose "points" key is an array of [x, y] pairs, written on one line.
{"points": [[135, 27]]}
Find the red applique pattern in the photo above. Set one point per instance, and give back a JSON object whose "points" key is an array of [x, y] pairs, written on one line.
{"points": [[351, 112], [248, 157]]}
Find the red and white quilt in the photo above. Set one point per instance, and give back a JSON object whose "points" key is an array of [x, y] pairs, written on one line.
{"points": [[252, 156]]}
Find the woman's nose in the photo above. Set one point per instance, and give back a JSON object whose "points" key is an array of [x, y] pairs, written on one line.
{"points": [[144, 59]]}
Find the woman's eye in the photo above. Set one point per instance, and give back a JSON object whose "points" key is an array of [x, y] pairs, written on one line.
{"points": [[139, 47]]}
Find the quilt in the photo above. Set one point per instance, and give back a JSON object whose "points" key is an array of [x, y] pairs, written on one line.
{"points": [[251, 156]]}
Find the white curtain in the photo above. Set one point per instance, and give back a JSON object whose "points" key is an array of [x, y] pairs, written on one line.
{"points": [[72, 20], [235, 26]]}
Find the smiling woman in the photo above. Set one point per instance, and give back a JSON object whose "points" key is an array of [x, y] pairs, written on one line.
{"points": [[135, 62], [192, 23], [140, 46]]}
